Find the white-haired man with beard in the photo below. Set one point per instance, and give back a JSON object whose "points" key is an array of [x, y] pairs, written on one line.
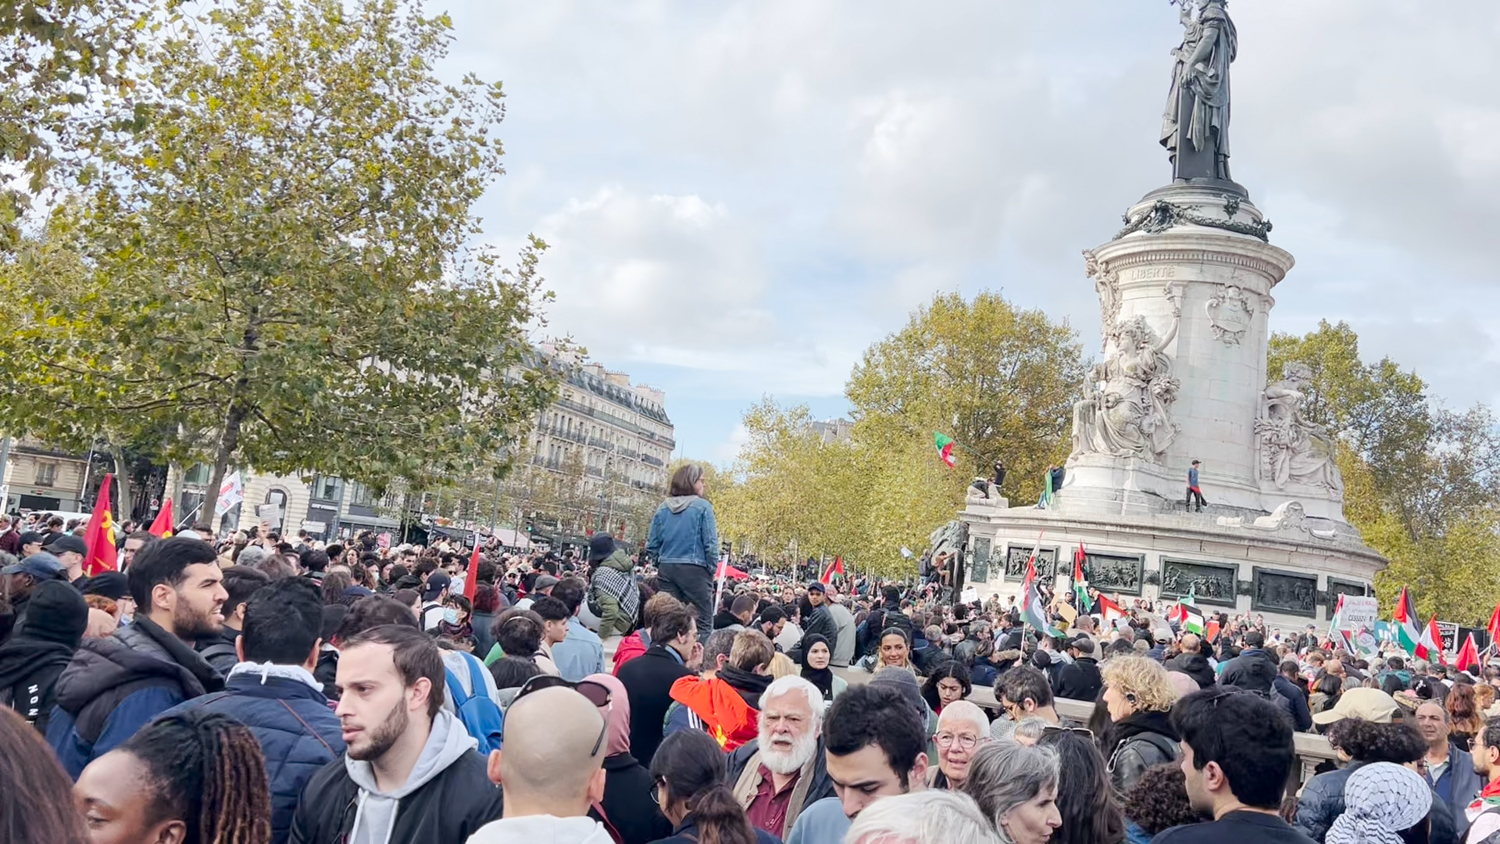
{"points": [[783, 770], [411, 773]]}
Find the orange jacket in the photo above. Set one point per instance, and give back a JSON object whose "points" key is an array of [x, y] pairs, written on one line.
{"points": [[724, 712]]}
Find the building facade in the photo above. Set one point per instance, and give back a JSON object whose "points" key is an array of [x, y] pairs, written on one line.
{"points": [[38, 477]]}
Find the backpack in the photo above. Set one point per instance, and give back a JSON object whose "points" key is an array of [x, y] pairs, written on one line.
{"points": [[480, 715]]}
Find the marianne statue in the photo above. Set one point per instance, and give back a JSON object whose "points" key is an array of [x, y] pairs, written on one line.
{"points": [[1195, 127]]}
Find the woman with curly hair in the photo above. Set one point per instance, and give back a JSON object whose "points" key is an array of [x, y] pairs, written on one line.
{"points": [[947, 683], [1465, 715], [1359, 743], [1158, 801], [1138, 697], [1090, 811]]}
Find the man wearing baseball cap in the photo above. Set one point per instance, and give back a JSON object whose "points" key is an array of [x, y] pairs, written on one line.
{"points": [[71, 551], [433, 595], [1371, 705], [542, 586], [819, 621], [21, 580]]}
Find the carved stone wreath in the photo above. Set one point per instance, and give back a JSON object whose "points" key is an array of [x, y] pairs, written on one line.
{"points": [[1230, 313], [1163, 215]]}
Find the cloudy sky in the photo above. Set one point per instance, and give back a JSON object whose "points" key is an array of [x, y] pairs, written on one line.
{"points": [[742, 196]]}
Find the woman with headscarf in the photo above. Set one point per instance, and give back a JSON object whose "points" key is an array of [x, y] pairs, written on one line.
{"points": [[627, 808], [816, 657], [1384, 803]]}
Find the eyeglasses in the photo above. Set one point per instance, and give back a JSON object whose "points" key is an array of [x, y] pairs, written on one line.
{"points": [[963, 740], [597, 693]]}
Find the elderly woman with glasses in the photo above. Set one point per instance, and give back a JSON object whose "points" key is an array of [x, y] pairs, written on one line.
{"points": [[961, 729]]}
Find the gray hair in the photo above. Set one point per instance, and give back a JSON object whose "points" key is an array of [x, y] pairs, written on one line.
{"points": [[1004, 774], [1030, 728], [793, 683], [931, 815]]}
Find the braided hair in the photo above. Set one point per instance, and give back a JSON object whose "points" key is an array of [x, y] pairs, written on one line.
{"points": [[206, 769]]}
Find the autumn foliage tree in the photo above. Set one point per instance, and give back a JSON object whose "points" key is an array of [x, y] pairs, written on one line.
{"points": [[272, 265]]}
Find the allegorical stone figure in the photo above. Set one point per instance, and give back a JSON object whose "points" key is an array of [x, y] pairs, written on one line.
{"points": [[1195, 127], [1132, 390]]}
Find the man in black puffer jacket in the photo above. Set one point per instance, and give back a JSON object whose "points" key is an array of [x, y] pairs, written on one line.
{"points": [[1255, 670], [271, 689], [32, 660]]}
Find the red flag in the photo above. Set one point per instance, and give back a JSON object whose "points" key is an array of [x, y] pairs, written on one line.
{"points": [[471, 577], [161, 528], [99, 536], [1494, 627], [835, 567], [1468, 655]]}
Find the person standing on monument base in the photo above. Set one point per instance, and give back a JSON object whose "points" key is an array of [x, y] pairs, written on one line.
{"points": [[1193, 491]]}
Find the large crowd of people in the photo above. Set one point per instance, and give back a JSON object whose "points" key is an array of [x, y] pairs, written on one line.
{"points": [[264, 689]]}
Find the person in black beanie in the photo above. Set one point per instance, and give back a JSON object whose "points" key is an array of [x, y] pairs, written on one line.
{"points": [[32, 660]]}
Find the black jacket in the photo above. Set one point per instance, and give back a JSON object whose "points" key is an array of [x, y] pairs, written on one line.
{"points": [[820, 623], [29, 669], [1194, 665], [1143, 739], [627, 802], [218, 650], [449, 807], [115, 685], [648, 683], [1254, 670], [1079, 681], [1297, 703], [1322, 801]]}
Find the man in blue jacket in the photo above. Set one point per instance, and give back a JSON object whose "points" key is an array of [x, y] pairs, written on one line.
{"points": [[272, 690], [113, 686], [1450, 770]]}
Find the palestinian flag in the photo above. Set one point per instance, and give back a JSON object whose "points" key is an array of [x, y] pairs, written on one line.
{"points": [[1109, 609], [944, 448], [834, 568], [1032, 612], [1408, 636], [1187, 616], [1430, 647], [1080, 586], [1211, 631]]}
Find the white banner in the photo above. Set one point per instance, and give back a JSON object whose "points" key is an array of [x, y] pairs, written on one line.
{"points": [[1359, 613], [232, 492]]}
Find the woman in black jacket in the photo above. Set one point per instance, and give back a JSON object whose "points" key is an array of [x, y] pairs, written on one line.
{"points": [[1139, 697], [627, 808]]}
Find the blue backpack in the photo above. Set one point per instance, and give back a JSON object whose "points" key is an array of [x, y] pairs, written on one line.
{"points": [[481, 715]]}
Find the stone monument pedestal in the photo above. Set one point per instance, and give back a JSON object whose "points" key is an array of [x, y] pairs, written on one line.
{"points": [[1185, 297]]}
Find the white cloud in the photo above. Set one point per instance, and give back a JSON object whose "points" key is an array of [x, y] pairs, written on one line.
{"points": [[750, 193]]}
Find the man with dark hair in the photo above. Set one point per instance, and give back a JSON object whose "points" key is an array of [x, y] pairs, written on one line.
{"points": [[115, 685], [1237, 752], [876, 747], [314, 563], [132, 546], [1080, 679], [819, 621], [240, 582], [411, 773], [675, 652], [771, 621], [1023, 692], [580, 653], [1483, 814], [271, 689]]}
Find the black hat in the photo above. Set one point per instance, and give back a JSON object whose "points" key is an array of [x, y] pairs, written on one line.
{"points": [[601, 545], [111, 584], [816, 586], [41, 565], [1195, 462], [66, 543], [32, 536], [56, 613], [436, 583]]}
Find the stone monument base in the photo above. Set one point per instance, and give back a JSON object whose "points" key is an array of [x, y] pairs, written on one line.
{"points": [[1283, 564]]}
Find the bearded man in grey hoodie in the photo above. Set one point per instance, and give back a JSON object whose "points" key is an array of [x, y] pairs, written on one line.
{"points": [[411, 773], [552, 770]]}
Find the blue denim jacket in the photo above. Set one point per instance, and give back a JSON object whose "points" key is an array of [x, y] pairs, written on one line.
{"points": [[683, 531]]}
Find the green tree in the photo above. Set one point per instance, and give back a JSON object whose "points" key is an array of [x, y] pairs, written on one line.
{"points": [[1000, 380], [273, 265], [1422, 483]]}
